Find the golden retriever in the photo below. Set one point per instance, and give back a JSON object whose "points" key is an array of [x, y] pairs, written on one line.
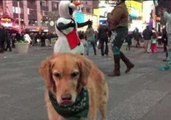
{"points": [[66, 75]]}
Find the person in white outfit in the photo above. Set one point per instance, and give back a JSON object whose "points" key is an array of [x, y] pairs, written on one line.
{"points": [[66, 29], [27, 38]]}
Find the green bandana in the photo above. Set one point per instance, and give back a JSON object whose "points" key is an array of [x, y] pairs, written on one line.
{"points": [[76, 111]]}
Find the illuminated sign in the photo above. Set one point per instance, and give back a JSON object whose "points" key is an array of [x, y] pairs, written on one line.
{"points": [[6, 20], [134, 8], [79, 17]]}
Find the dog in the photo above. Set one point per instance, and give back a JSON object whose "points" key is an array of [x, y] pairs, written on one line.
{"points": [[73, 82]]}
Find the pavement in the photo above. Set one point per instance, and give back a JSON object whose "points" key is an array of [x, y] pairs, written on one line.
{"points": [[142, 94]]}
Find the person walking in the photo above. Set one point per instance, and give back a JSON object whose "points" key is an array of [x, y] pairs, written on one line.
{"points": [[103, 39], [153, 46], [2, 39], [165, 44], [91, 39], [128, 40], [8, 41], [118, 24], [166, 16], [147, 34], [137, 36]]}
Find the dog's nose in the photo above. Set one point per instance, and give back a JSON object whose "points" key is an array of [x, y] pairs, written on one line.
{"points": [[66, 97]]}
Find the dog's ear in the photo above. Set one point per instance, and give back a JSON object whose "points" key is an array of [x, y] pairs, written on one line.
{"points": [[85, 67], [46, 73]]}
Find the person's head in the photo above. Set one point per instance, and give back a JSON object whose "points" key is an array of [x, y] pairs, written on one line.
{"points": [[154, 36], [147, 27], [136, 29], [118, 1], [66, 9], [122, 0], [89, 25]]}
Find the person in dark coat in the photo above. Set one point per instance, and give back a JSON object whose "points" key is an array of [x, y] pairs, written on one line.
{"points": [[137, 36], [147, 34], [18, 36], [42, 39], [118, 25], [2, 39], [103, 39], [165, 43], [8, 41], [128, 39]]}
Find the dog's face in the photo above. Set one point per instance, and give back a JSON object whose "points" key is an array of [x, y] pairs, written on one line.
{"points": [[65, 74]]}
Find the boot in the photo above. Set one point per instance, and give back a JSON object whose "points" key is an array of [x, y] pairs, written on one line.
{"points": [[127, 62], [116, 71]]}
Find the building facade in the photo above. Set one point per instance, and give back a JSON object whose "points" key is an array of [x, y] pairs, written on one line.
{"points": [[29, 12], [37, 12]]}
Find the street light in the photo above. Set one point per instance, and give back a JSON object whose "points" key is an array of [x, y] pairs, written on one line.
{"points": [[18, 5]]}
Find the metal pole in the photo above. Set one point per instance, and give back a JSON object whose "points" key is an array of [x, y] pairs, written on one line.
{"points": [[19, 10]]}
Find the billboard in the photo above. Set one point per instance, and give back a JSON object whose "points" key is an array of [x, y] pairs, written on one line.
{"points": [[134, 8], [81, 17]]}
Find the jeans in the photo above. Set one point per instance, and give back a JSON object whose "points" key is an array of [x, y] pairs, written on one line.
{"points": [[89, 45], [118, 37], [169, 47], [104, 48]]}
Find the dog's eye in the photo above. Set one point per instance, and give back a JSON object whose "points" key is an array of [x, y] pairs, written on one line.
{"points": [[57, 75], [74, 74]]}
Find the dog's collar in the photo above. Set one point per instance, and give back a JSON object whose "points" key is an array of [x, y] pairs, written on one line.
{"points": [[77, 110]]}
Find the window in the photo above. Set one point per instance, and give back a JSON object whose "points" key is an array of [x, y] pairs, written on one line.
{"points": [[28, 11], [16, 10], [32, 22], [55, 5], [43, 3]]}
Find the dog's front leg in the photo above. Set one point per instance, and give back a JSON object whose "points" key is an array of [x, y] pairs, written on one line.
{"points": [[92, 108]]}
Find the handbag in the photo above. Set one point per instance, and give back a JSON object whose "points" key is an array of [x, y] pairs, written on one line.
{"points": [[99, 45], [72, 38]]}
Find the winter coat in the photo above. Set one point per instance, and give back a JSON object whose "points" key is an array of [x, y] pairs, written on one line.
{"points": [[118, 17], [147, 33]]}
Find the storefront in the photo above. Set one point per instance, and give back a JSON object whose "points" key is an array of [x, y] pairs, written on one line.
{"points": [[36, 29], [9, 23]]}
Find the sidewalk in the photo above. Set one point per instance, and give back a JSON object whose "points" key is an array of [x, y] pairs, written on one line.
{"points": [[142, 94]]}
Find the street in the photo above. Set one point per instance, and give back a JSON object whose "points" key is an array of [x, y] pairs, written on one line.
{"points": [[142, 94]]}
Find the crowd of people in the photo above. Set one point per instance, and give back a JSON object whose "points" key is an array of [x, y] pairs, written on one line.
{"points": [[117, 31], [114, 31], [5, 40], [149, 37], [95, 39], [8, 38]]}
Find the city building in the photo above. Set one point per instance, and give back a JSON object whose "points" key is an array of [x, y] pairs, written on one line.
{"points": [[29, 13], [38, 14], [33, 14]]}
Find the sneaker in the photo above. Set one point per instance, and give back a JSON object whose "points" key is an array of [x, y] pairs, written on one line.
{"points": [[164, 68]]}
